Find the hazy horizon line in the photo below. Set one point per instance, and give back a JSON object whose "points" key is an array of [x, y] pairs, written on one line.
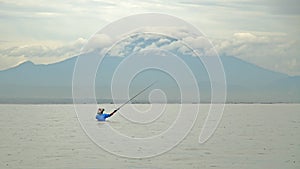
{"points": [[110, 101]]}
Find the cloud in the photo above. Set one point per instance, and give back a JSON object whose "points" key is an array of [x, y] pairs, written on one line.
{"points": [[174, 39], [40, 53], [278, 7], [174, 32], [98, 42], [274, 51], [148, 41], [246, 37]]}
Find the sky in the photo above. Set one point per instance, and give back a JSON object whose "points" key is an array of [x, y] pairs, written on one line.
{"points": [[263, 32]]}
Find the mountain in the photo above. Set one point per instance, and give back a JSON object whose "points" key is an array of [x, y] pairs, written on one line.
{"points": [[250, 83], [246, 82]]}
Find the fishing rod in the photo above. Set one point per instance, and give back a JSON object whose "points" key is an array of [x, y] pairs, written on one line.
{"points": [[136, 95]]}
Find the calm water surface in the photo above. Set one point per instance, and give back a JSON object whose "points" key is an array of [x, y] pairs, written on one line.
{"points": [[249, 136]]}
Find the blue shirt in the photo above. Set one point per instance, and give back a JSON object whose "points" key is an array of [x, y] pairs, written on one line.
{"points": [[102, 117]]}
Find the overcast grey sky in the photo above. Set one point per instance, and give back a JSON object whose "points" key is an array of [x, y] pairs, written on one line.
{"points": [[264, 32]]}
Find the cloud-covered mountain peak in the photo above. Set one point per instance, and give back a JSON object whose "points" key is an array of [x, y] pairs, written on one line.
{"points": [[143, 41]]}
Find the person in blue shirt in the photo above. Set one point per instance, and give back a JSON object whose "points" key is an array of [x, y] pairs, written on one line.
{"points": [[101, 116]]}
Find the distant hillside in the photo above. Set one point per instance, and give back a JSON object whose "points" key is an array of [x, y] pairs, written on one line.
{"points": [[246, 82]]}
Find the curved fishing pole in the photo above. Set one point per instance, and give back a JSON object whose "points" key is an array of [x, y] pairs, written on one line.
{"points": [[136, 95]]}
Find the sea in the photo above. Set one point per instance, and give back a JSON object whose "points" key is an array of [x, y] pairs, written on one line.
{"points": [[249, 136]]}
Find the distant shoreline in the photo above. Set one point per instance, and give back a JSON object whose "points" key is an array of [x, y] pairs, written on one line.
{"points": [[109, 101]]}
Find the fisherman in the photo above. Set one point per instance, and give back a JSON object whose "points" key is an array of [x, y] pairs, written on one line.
{"points": [[101, 116]]}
